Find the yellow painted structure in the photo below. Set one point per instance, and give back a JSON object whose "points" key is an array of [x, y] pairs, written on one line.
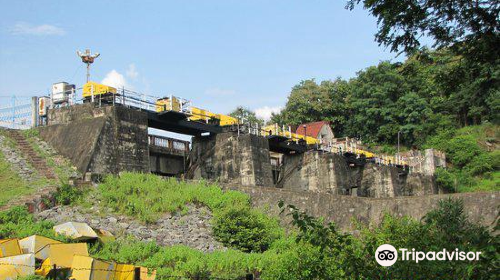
{"points": [[145, 275], [87, 268], [97, 90], [8, 272], [9, 247], [24, 265], [45, 268], [195, 114], [76, 231], [62, 254], [276, 130], [33, 244], [124, 272], [168, 104]]}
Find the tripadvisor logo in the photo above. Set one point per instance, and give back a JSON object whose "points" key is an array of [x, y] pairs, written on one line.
{"points": [[387, 255]]}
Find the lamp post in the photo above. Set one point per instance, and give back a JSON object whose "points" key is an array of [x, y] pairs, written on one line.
{"points": [[88, 59], [399, 132], [305, 132]]}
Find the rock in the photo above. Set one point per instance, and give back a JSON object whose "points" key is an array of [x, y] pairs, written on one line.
{"points": [[123, 225]]}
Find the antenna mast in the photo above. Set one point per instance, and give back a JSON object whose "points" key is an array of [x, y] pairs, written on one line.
{"points": [[88, 59]]}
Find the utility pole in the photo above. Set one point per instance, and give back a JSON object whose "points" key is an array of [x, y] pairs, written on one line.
{"points": [[399, 132], [87, 58]]}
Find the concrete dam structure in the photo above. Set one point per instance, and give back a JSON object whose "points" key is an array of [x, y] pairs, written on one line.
{"points": [[340, 187], [113, 139]]}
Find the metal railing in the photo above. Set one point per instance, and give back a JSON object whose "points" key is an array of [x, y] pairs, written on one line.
{"points": [[169, 143]]}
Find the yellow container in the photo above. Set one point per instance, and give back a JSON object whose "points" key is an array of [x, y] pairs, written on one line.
{"points": [[97, 90], [9, 247], [165, 104]]}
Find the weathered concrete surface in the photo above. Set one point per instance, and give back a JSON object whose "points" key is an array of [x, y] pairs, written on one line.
{"points": [[229, 158], [481, 207], [100, 140], [166, 164], [315, 171], [318, 171], [379, 181]]}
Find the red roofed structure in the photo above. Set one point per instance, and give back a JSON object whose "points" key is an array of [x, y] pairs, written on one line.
{"points": [[321, 130]]}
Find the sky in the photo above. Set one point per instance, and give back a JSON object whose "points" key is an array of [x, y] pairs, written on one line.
{"points": [[219, 54]]}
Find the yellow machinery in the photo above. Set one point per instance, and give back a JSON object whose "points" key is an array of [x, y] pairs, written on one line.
{"points": [[98, 91], [194, 114], [276, 130], [168, 104]]}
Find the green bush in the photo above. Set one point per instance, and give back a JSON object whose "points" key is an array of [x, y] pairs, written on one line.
{"points": [[67, 194], [445, 180], [462, 149], [246, 229], [17, 222]]}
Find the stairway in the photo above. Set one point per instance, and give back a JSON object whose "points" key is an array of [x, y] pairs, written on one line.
{"points": [[30, 155]]}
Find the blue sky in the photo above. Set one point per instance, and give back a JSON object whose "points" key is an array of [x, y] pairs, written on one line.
{"points": [[219, 53]]}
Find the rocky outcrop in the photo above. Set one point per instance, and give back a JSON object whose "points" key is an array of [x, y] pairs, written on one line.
{"points": [[192, 229], [18, 163]]}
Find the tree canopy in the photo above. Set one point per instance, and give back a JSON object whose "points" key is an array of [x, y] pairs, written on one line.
{"points": [[245, 115], [431, 91]]}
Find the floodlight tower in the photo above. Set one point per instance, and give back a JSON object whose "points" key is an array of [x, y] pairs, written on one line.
{"points": [[88, 59]]}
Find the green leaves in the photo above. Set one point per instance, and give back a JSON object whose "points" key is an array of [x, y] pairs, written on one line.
{"points": [[245, 229]]}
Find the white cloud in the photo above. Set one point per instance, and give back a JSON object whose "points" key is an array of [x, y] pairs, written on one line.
{"points": [[23, 28], [219, 92], [266, 112], [132, 72], [115, 79]]}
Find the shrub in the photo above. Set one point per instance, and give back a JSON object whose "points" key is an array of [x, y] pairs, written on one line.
{"points": [[445, 180], [245, 229], [67, 194], [462, 149]]}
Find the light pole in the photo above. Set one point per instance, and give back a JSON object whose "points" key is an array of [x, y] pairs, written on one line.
{"points": [[399, 132], [88, 59]]}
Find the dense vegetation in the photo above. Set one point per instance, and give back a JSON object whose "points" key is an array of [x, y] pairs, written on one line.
{"points": [[473, 156], [430, 92], [312, 251], [432, 95], [235, 223]]}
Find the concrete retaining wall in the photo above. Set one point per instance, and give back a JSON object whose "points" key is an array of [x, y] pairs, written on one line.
{"points": [[99, 140], [481, 207], [229, 158]]}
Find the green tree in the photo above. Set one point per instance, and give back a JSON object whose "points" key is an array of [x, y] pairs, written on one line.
{"points": [[310, 102], [472, 27], [246, 115]]}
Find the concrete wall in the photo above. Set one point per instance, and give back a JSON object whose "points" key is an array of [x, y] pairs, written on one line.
{"points": [[315, 171], [330, 173], [230, 158], [99, 140], [164, 163], [480, 207]]}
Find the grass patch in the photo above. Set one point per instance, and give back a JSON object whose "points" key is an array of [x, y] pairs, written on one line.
{"points": [[61, 166], [147, 196], [11, 184], [235, 223]]}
